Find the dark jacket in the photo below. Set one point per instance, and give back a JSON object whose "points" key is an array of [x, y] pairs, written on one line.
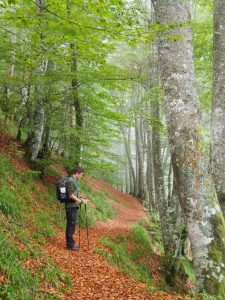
{"points": [[72, 187]]}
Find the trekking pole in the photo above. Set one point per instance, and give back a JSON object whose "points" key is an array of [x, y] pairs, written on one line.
{"points": [[85, 207], [79, 225]]}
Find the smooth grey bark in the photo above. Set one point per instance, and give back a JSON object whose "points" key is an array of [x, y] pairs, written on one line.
{"points": [[160, 195], [169, 185], [159, 177], [37, 126], [177, 237], [45, 150], [202, 213], [37, 123], [76, 108], [129, 158], [127, 181], [139, 158], [7, 90], [132, 174], [149, 171], [141, 146], [218, 107], [25, 101]]}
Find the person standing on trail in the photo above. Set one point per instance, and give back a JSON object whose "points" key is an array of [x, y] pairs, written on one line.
{"points": [[72, 206]]}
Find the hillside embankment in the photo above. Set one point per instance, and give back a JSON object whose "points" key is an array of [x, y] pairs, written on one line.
{"points": [[91, 275]]}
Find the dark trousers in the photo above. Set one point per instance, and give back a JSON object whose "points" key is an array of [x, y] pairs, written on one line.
{"points": [[71, 217]]}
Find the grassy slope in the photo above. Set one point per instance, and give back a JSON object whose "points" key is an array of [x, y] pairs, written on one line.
{"points": [[29, 218]]}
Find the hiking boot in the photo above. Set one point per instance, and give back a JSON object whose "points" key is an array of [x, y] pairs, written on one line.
{"points": [[74, 248]]}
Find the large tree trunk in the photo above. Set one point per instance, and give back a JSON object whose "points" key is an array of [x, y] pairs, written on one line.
{"points": [[202, 213], [218, 108]]}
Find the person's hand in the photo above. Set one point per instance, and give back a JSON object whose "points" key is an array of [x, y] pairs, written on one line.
{"points": [[85, 201]]}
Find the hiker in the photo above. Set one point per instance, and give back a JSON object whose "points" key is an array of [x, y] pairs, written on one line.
{"points": [[72, 206]]}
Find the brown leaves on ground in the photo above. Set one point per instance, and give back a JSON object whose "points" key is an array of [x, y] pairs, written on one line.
{"points": [[92, 276], [3, 278], [11, 147]]}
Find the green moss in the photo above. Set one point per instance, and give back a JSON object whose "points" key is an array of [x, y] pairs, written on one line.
{"points": [[170, 268], [215, 252], [177, 269], [212, 284], [218, 224], [214, 287]]}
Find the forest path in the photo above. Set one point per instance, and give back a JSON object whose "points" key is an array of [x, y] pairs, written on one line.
{"points": [[129, 209], [92, 277]]}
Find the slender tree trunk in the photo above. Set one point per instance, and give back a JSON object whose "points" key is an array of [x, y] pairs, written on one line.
{"points": [[202, 213], [158, 177], [144, 168], [7, 90], [149, 172], [218, 107], [160, 195], [177, 237], [34, 139], [170, 180], [140, 162], [76, 109], [129, 158], [45, 152], [127, 182], [25, 97]]}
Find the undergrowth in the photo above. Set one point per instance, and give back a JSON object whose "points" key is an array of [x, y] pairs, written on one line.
{"points": [[29, 217], [205, 296], [131, 254]]}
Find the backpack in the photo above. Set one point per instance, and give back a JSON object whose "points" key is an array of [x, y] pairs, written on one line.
{"points": [[61, 190]]}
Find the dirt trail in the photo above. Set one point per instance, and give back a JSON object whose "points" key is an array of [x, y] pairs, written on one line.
{"points": [[92, 276], [129, 210]]}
